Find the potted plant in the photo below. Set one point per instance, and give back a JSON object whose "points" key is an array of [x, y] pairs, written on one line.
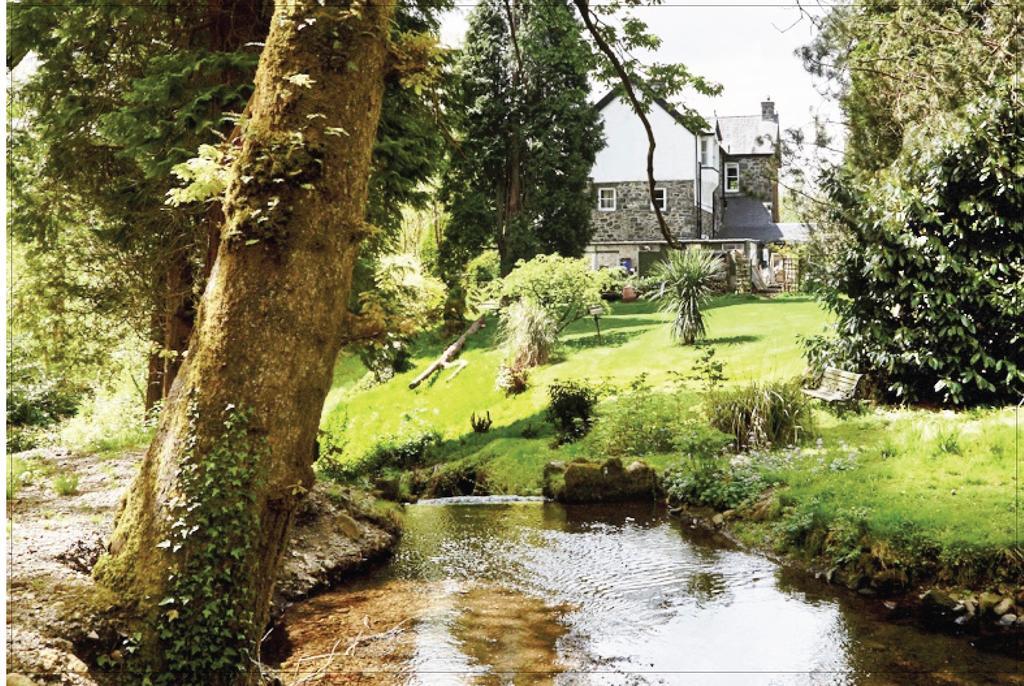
{"points": [[629, 290]]}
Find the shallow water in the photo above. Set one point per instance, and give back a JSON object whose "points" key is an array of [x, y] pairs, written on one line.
{"points": [[537, 593]]}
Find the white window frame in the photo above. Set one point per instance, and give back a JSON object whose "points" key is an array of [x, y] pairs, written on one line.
{"points": [[601, 200], [664, 198], [706, 156], [736, 166]]}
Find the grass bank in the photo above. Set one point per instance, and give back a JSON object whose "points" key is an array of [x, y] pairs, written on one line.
{"points": [[755, 338], [927, 492]]}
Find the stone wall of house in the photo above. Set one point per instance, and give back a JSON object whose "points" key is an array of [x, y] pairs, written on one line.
{"points": [[758, 177], [634, 220]]}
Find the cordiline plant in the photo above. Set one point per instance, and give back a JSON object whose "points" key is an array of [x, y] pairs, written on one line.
{"points": [[688, 276]]}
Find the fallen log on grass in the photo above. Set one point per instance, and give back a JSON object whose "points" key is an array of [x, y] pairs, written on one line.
{"points": [[449, 354]]}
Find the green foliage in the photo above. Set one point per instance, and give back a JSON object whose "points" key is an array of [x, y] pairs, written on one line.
{"points": [[710, 481], [688, 276], [206, 176], [919, 233], [571, 409], [111, 418], [205, 622], [527, 334], [34, 398], [402, 450], [518, 180], [644, 422], [405, 300], [65, 484], [566, 288], [708, 371], [761, 414], [512, 380], [478, 278], [938, 56], [927, 291], [19, 473]]}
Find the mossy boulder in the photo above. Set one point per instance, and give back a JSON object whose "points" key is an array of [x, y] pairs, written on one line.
{"points": [[593, 482]]}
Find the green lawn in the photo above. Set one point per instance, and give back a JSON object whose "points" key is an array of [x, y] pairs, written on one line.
{"points": [[756, 338], [936, 476], [948, 474]]}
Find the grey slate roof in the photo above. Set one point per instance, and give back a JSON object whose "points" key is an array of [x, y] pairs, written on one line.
{"points": [[748, 135], [747, 217]]}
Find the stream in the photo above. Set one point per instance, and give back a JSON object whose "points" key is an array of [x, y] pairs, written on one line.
{"points": [[492, 591]]}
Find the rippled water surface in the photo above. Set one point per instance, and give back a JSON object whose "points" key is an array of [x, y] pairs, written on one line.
{"points": [[533, 593]]}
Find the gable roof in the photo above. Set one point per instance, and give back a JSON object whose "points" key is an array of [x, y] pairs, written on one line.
{"points": [[748, 135], [661, 102]]}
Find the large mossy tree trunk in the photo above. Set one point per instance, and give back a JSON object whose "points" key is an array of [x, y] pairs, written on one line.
{"points": [[200, 537]]}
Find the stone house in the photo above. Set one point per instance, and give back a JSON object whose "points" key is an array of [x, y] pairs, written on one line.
{"points": [[718, 188]]}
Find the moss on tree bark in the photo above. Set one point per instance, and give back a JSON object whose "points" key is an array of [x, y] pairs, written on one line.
{"points": [[239, 427]]}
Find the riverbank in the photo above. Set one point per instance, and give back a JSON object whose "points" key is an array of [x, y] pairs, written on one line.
{"points": [[890, 501], [62, 627], [915, 508]]}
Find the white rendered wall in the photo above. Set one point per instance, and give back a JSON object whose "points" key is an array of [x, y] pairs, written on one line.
{"points": [[624, 158]]}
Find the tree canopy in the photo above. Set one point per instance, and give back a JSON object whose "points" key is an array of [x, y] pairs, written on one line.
{"points": [[926, 212], [518, 179]]}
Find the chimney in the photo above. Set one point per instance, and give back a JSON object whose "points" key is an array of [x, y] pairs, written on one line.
{"points": [[768, 111]]}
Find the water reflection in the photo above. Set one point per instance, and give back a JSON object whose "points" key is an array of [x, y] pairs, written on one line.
{"points": [[536, 593]]}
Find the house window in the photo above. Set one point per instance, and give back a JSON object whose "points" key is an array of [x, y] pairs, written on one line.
{"points": [[606, 199], [660, 197], [705, 152], [732, 177]]}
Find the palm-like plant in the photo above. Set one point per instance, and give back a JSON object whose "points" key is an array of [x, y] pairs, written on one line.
{"points": [[687, 277]]}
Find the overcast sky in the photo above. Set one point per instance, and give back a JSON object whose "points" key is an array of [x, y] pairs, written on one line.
{"points": [[747, 46]]}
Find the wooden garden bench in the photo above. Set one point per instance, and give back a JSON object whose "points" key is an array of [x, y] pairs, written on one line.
{"points": [[836, 386]]}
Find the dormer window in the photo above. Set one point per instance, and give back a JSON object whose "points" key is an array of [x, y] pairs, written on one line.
{"points": [[606, 199], [732, 177], [661, 198]]}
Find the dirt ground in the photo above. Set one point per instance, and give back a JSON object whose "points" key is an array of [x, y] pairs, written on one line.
{"points": [[54, 540]]}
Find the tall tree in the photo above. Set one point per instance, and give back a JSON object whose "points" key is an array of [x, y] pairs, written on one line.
{"points": [[518, 180], [198, 543], [93, 164]]}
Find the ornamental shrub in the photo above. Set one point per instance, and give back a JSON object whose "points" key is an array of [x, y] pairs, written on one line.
{"points": [[688, 277], [645, 422], [402, 450], [571, 409], [711, 481], [564, 287], [926, 285]]}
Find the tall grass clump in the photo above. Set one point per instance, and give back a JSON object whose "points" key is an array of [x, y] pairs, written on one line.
{"points": [[688, 277], [527, 334], [761, 414]]}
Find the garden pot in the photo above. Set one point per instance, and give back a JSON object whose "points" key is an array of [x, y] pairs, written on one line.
{"points": [[629, 294]]}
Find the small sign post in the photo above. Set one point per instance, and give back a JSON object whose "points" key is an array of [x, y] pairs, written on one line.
{"points": [[596, 311]]}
